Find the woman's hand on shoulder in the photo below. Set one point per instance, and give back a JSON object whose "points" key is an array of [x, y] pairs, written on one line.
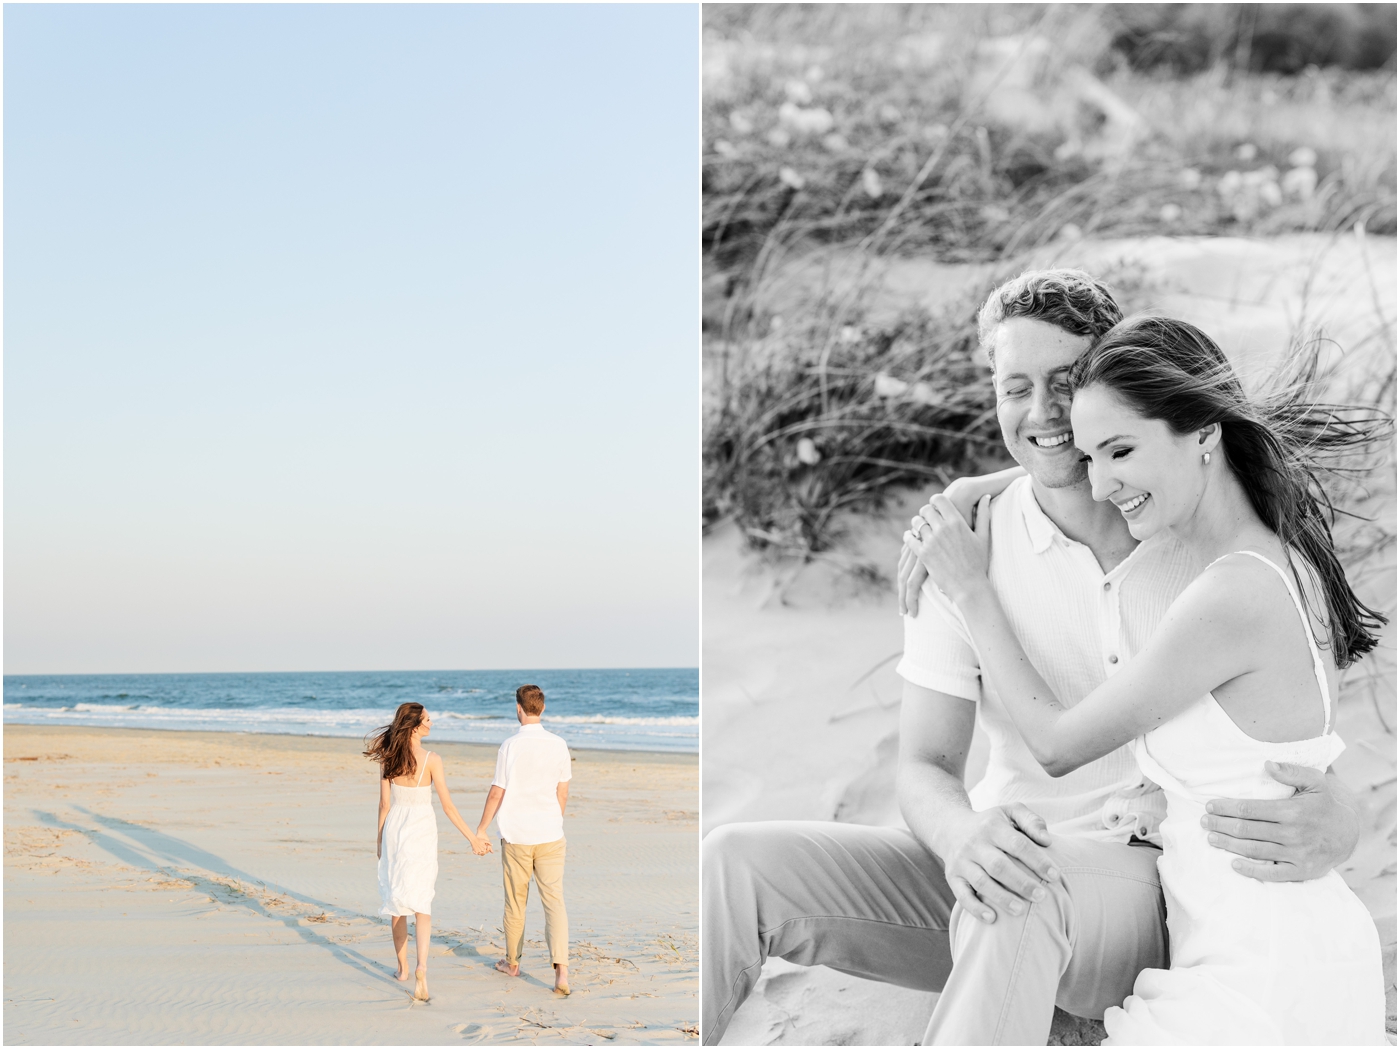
{"points": [[954, 556], [965, 494]]}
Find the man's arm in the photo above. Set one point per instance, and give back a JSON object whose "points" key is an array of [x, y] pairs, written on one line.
{"points": [[1294, 839], [562, 793], [489, 810], [993, 860]]}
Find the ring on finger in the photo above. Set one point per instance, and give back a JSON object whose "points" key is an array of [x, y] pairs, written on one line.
{"points": [[916, 525]]}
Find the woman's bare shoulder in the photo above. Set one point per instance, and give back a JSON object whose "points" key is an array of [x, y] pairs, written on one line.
{"points": [[1238, 592]]}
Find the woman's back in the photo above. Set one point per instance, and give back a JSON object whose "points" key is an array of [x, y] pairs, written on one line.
{"points": [[1288, 694], [408, 863]]}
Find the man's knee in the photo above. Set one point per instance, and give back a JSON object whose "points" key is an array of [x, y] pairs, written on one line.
{"points": [[730, 855], [1049, 918]]}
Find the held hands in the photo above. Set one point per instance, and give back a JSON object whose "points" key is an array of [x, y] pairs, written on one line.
{"points": [[1293, 839], [1002, 866], [481, 845], [952, 554]]}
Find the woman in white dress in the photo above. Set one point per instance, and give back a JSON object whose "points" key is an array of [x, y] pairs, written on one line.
{"points": [[407, 842], [1233, 678]]}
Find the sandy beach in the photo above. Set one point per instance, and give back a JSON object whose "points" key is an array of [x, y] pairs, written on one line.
{"points": [[196, 887]]}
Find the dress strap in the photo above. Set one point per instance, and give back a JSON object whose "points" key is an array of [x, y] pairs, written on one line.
{"points": [[426, 755], [1318, 669]]}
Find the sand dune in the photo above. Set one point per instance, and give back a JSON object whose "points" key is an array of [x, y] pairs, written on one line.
{"points": [[165, 887]]}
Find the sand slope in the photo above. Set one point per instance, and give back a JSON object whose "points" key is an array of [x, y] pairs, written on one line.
{"points": [[166, 887]]}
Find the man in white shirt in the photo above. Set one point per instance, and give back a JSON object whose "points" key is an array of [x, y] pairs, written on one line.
{"points": [[527, 799], [1027, 892]]}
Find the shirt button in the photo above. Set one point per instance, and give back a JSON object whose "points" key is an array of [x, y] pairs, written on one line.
{"points": [[1108, 586], [1113, 659]]}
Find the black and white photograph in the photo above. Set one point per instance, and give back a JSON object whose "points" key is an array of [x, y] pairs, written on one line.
{"points": [[1048, 679]]}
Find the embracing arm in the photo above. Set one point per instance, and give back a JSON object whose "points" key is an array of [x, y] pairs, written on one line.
{"points": [[1201, 643]]}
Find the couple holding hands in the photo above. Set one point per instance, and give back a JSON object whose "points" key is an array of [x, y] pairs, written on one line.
{"points": [[529, 792]]}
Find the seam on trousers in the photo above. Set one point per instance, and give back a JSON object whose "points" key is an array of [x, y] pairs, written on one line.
{"points": [[1015, 975], [850, 918], [733, 992], [1104, 873]]}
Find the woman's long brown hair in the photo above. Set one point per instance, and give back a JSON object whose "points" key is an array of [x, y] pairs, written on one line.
{"points": [[392, 745], [1278, 447]]}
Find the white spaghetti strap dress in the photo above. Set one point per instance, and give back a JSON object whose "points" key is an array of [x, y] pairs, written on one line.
{"points": [[1252, 963], [408, 863]]}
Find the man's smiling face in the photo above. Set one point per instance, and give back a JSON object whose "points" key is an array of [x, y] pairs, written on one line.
{"points": [[1031, 372]]}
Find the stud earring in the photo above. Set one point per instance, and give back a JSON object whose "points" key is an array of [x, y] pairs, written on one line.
{"points": [[1205, 458]]}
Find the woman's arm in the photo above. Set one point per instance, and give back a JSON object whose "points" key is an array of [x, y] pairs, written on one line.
{"points": [[1201, 643], [480, 846], [383, 815], [965, 493]]}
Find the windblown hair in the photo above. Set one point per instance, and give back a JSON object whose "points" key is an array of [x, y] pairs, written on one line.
{"points": [[392, 745], [1071, 300], [531, 699], [1278, 447]]}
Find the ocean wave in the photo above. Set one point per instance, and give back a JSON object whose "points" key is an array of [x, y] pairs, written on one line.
{"points": [[603, 719], [97, 708], [471, 717]]}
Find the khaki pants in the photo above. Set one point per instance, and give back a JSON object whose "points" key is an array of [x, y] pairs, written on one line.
{"points": [[873, 902], [546, 863]]}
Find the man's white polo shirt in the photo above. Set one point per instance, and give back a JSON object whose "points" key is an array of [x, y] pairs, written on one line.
{"points": [[529, 768], [1078, 625]]}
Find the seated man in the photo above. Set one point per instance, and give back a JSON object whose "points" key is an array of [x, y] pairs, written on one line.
{"points": [[1029, 891]]}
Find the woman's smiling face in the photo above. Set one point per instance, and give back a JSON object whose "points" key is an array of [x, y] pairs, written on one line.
{"points": [[1154, 476]]}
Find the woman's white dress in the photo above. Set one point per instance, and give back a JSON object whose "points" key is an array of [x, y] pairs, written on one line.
{"points": [[1252, 963], [408, 856]]}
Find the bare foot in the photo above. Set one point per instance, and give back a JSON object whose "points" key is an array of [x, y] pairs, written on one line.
{"points": [[503, 966], [401, 975], [561, 980], [420, 989]]}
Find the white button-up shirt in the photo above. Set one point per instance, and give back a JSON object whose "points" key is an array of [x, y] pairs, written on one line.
{"points": [[1078, 625], [529, 768]]}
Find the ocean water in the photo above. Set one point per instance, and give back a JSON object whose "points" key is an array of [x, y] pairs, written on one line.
{"points": [[640, 709]]}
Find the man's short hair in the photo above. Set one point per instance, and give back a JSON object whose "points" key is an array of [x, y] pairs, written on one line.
{"points": [[531, 699], [1071, 300]]}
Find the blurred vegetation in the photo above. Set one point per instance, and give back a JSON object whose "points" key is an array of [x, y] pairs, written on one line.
{"points": [[917, 130]]}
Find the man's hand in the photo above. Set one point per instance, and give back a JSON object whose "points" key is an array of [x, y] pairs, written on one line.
{"points": [[1002, 865], [1293, 839], [912, 574]]}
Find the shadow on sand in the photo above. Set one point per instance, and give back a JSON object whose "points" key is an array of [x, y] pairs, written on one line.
{"points": [[148, 849]]}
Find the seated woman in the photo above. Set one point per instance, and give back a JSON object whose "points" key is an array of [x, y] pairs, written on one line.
{"points": [[1242, 671]]}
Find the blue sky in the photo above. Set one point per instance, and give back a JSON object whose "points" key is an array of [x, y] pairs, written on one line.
{"points": [[350, 337]]}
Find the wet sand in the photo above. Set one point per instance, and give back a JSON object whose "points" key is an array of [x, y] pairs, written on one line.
{"points": [[196, 887]]}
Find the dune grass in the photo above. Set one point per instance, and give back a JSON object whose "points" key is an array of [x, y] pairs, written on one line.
{"points": [[869, 130]]}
